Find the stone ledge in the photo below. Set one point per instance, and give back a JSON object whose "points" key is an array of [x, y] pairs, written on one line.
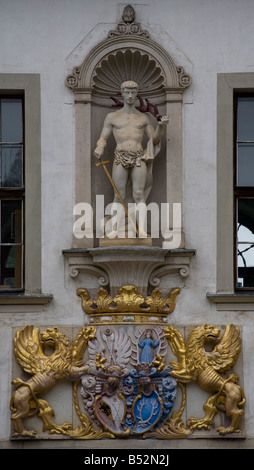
{"points": [[120, 265], [25, 299], [232, 301], [243, 297], [168, 444]]}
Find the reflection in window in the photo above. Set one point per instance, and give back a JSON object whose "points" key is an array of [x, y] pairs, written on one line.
{"points": [[11, 193], [11, 166], [245, 243]]}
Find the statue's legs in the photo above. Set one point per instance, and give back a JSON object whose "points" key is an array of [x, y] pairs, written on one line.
{"points": [[120, 178], [138, 176]]}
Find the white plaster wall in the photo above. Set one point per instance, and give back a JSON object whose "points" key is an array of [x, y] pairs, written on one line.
{"points": [[49, 37]]}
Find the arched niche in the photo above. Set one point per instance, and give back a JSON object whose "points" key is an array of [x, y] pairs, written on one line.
{"points": [[127, 54]]}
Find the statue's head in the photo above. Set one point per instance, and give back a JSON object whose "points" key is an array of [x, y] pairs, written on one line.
{"points": [[148, 333], [129, 84], [129, 91]]}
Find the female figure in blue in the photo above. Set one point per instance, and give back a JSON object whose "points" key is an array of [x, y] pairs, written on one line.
{"points": [[147, 346]]}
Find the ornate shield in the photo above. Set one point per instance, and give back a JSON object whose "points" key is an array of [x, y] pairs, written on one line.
{"points": [[128, 389]]}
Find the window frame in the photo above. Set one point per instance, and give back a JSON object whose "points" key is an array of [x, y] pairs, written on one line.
{"points": [[240, 192], [29, 86], [226, 296], [17, 193]]}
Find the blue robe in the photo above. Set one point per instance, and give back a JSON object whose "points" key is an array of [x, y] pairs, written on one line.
{"points": [[146, 355]]}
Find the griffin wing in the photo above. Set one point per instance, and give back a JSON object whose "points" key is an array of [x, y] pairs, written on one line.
{"points": [[226, 351], [28, 351], [117, 347], [96, 346]]}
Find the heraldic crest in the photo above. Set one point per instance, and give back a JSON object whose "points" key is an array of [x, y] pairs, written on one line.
{"points": [[124, 381]]}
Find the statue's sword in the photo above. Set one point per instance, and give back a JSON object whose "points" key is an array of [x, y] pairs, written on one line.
{"points": [[117, 192]]}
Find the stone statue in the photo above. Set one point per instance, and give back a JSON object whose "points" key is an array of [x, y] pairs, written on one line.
{"points": [[129, 126]]}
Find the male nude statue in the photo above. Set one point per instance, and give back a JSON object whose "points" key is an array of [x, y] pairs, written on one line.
{"points": [[128, 126]]}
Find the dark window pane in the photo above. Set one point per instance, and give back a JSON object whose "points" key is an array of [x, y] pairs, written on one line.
{"points": [[11, 267], [245, 216], [11, 221], [11, 120], [245, 121], [11, 205], [11, 166], [245, 173]]}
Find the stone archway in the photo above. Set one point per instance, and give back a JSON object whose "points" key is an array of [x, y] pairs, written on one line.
{"points": [[127, 53]]}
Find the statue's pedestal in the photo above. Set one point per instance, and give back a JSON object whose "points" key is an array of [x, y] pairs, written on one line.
{"points": [[126, 241], [117, 266]]}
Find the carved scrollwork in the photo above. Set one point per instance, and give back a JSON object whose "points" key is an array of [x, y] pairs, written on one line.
{"points": [[154, 279], [103, 279], [184, 78]]}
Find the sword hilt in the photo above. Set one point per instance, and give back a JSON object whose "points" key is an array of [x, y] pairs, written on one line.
{"points": [[102, 163]]}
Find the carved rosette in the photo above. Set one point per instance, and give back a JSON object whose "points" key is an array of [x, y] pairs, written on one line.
{"points": [[73, 79], [184, 78], [125, 28]]}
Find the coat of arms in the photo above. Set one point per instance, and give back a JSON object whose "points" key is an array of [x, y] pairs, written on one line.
{"points": [[124, 381], [128, 401]]}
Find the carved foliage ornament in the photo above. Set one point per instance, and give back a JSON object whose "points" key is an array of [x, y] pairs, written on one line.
{"points": [[126, 386]]}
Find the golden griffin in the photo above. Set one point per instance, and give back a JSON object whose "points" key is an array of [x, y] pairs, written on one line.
{"points": [[64, 363], [206, 369]]}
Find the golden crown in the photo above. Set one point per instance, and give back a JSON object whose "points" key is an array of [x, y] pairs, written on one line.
{"points": [[128, 307]]}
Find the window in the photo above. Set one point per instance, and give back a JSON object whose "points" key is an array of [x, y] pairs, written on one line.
{"points": [[235, 192], [20, 245], [11, 192], [244, 190]]}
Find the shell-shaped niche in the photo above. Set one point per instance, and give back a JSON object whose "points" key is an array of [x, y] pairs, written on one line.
{"points": [[128, 64]]}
